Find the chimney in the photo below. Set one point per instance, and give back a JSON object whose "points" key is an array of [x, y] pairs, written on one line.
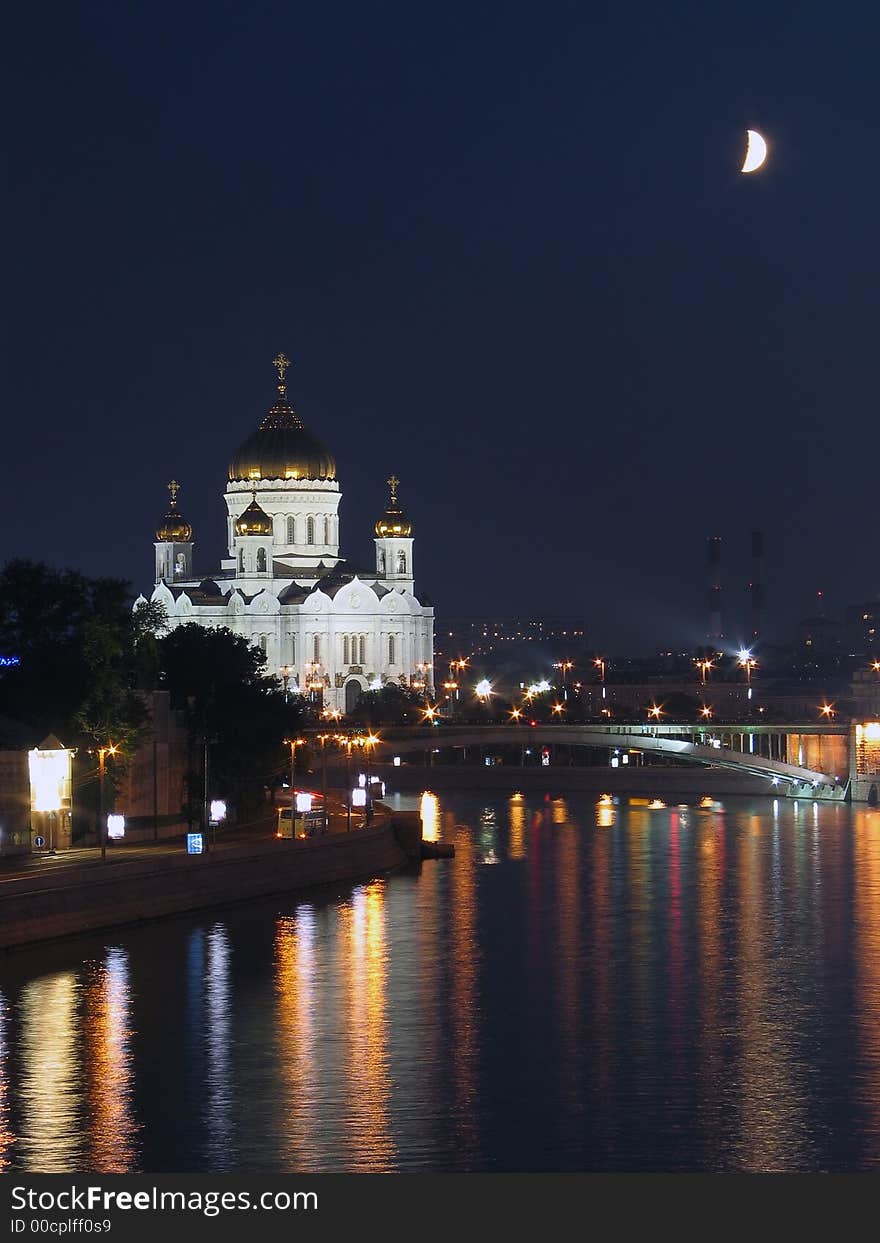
{"points": [[756, 586], [713, 567]]}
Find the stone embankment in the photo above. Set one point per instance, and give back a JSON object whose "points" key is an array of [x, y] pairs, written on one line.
{"points": [[40, 906]]}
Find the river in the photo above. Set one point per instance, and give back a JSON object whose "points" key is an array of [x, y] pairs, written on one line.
{"points": [[588, 985]]}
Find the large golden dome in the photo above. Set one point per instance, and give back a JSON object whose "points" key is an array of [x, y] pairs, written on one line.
{"points": [[393, 522], [174, 528], [282, 447]]}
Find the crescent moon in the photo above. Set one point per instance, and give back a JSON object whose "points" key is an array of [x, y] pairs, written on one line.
{"points": [[756, 152]]}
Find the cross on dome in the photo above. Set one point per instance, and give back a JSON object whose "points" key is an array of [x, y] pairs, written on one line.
{"points": [[174, 488], [281, 362], [393, 484]]}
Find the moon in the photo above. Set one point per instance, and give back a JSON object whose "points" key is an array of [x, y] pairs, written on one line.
{"points": [[756, 152]]}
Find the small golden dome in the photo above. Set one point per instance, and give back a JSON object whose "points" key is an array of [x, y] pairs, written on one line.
{"points": [[254, 520], [393, 522], [174, 528]]}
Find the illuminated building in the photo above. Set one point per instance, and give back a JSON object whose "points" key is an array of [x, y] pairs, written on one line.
{"points": [[325, 625]]}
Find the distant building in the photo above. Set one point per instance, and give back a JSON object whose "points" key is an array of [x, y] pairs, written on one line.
{"points": [[325, 624], [482, 636], [863, 628]]}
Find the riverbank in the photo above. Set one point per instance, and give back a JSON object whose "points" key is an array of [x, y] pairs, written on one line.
{"points": [[83, 897]]}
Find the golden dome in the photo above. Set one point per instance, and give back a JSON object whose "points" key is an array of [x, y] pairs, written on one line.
{"points": [[174, 528], [254, 520], [282, 447], [393, 522]]}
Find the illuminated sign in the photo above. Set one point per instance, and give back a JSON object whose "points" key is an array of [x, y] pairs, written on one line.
{"points": [[218, 810], [303, 801], [50, 779], [9, 662], [194, 844], [359, 798], [115, 826]]}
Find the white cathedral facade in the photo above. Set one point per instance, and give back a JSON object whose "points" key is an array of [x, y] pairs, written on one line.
{"points": [[324, 624]]}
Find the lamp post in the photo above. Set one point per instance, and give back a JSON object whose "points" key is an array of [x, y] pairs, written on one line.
{"points": [[704, 666], [323, 738], [102, 827], [292, 744], [748, 663], [564, 666]]}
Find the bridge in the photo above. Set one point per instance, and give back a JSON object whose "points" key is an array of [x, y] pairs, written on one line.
{"points": [[760, 750]]}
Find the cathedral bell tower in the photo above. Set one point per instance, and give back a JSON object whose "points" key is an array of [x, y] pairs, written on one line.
{"points": [[253, 541], [394, 557], [174, 543]]}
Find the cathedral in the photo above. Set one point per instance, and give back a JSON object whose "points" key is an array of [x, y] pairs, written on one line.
{"points": [[328, 628]]}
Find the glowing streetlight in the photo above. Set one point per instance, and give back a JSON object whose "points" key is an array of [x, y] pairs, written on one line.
{"points": [[875, 665], [430, 712], [515, 714], [103, 752], [483, 688], [600, 665], [748, 663], [704, 666], [827, 711], [655, 711], [706, 712], [558, 709]]}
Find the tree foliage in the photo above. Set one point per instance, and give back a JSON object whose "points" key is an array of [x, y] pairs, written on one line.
{"points": [[76, 644], [219, 681]]}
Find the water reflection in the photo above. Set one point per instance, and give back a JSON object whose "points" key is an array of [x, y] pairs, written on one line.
{"points": [[627, 987], [296, 1000], [371, 1146], [107, 1056], [51, 1086], [6, 1131]]}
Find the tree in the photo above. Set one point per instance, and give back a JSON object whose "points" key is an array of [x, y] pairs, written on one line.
{"points": [[218, 680], [75, 641]]}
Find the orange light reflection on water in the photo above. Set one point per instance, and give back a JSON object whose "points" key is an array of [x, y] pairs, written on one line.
{"points": [[107, 1034], [362, 928]]}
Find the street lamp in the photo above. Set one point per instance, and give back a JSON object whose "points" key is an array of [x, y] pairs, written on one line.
{"points": [[111, 749], [655, 711], [704, 666], [564, 666], [293, 743], [748, 663], [827, 711]]}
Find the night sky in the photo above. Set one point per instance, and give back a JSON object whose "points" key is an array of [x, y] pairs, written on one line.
{"points": [[510, 252]]}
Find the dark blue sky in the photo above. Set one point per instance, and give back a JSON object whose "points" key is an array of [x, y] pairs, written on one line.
{"points": [[510, 253]]}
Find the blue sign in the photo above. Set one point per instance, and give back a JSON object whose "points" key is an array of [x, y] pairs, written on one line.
{"points": [[8, 662], [39, 841], [194, 844]]}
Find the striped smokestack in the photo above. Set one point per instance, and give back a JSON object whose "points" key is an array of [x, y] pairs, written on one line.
{"points": [[713, 567], [756, 586]]}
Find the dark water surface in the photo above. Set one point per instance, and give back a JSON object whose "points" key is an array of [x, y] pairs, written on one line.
{"points": [[586, 986]]}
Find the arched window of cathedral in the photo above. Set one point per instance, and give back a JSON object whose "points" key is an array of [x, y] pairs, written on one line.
{"points": [[264, 641], [241, 561], [391, 659], [310, 530], [401, 562], [291, 529], [381, 561], [316, 649], [345, 651], [362, 658], [261, 561]]}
